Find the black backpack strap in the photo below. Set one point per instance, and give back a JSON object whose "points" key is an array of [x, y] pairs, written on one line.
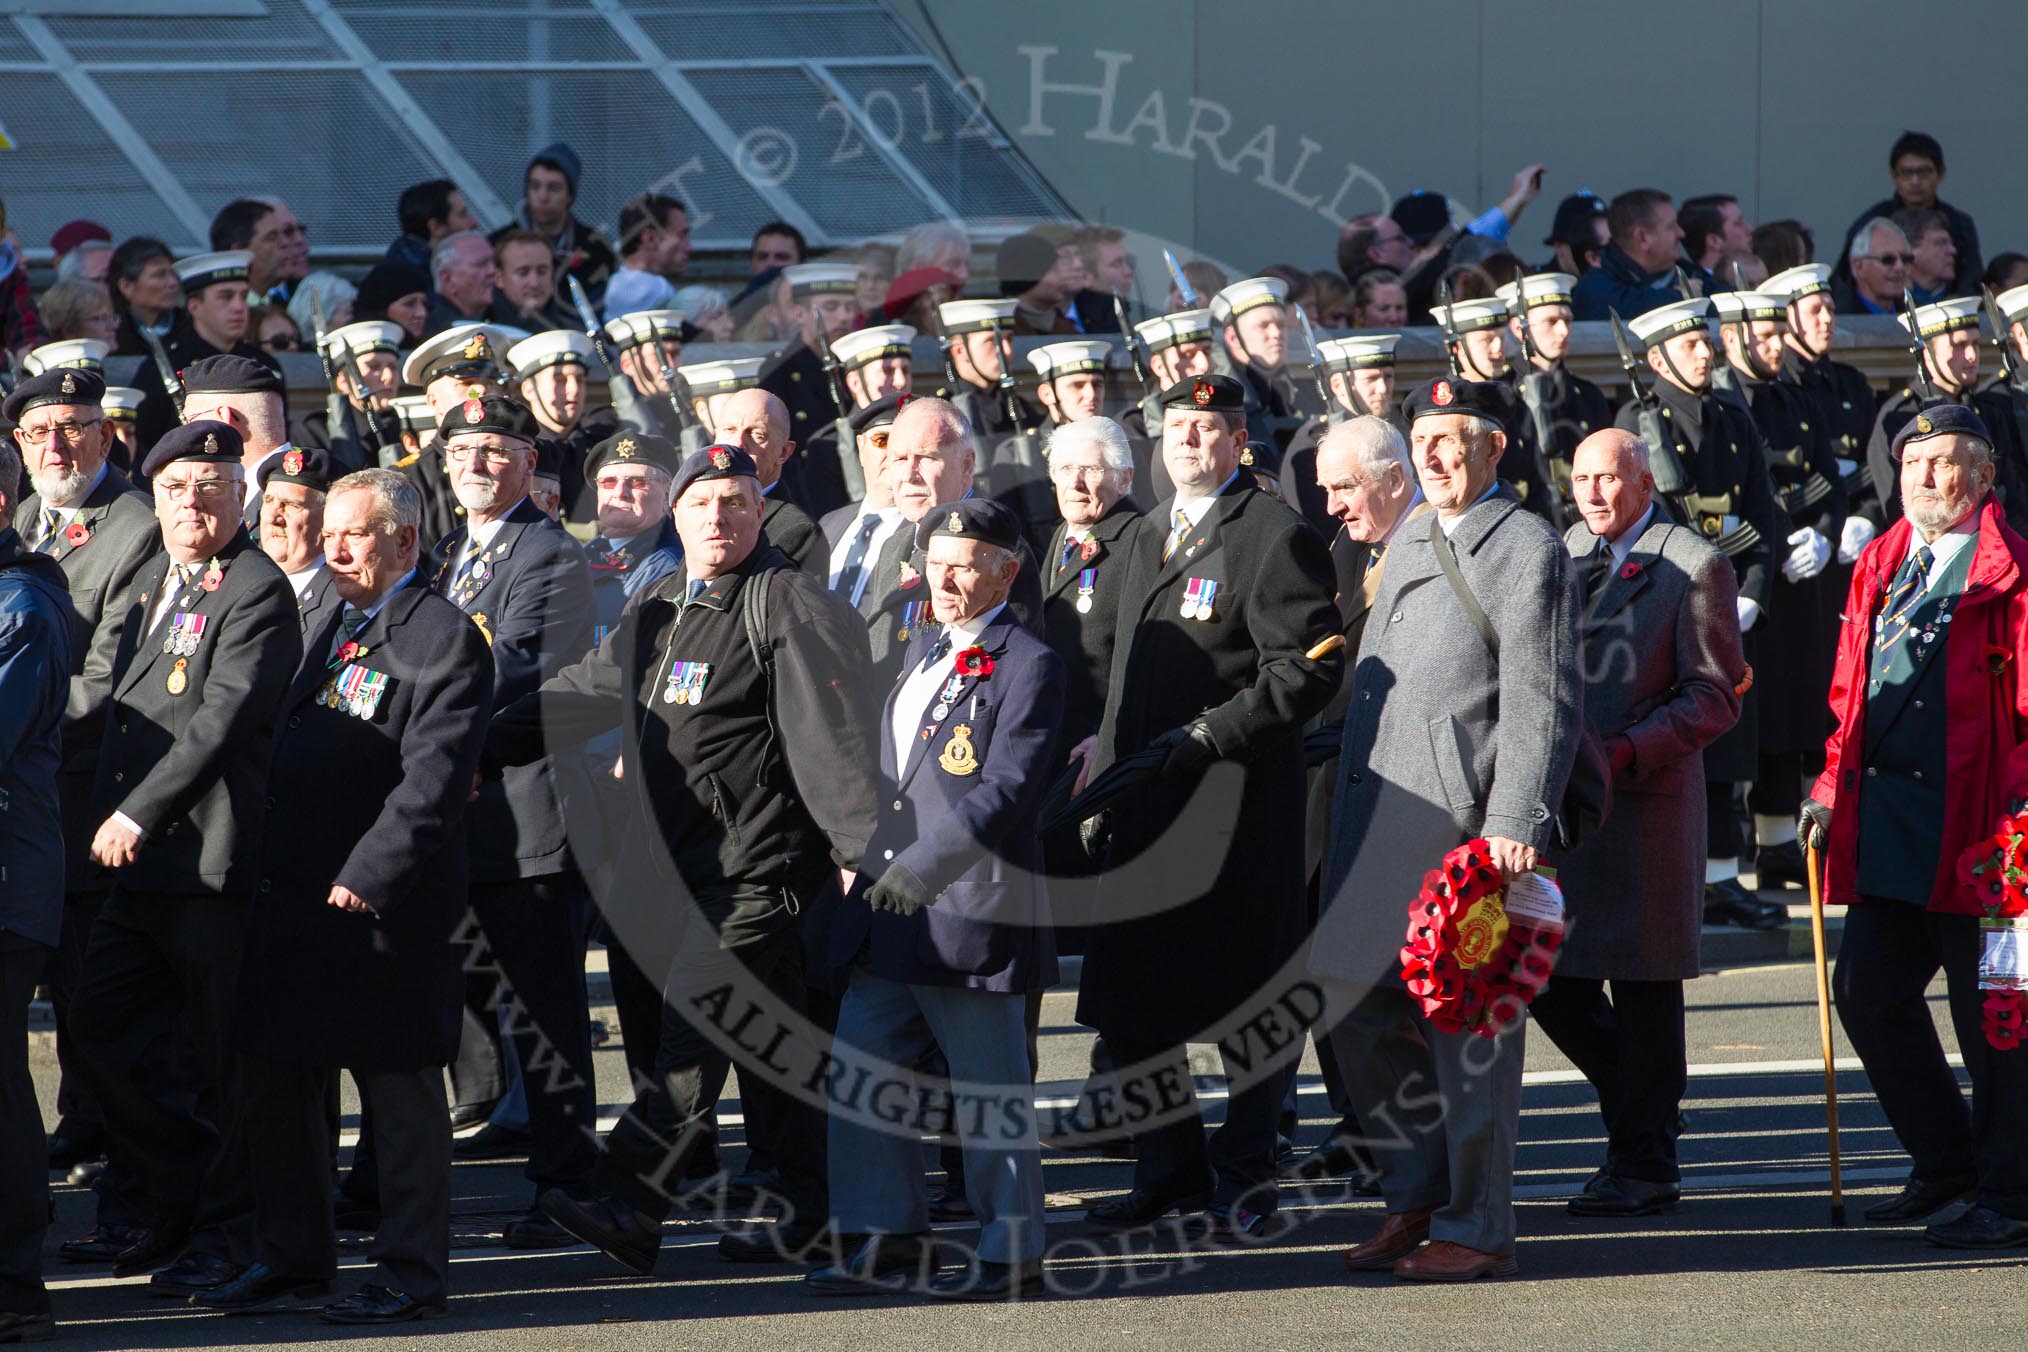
{"points": [[754, 606], [1440, 544]]}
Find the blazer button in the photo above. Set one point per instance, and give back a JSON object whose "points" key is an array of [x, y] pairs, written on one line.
{"points": [[897, 805], [1366, 694], [1873, 772], [887, 854], [123, 726], [1352, 778], [271, 803], [295, 720], [1918, 704], [1395, 618], [267, 886], [119, 776], [1918, 774]]}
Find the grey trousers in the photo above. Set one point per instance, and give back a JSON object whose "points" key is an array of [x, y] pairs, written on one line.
{"points": [[1441, 1112], [876, 1168]]}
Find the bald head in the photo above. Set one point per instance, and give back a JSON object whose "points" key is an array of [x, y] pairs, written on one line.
{"points": [[930, 456], [1609, 478], [758, 423]]}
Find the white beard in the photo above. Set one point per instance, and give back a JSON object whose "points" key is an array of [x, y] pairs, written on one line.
{"points": [[476, 497], [60, 490]]}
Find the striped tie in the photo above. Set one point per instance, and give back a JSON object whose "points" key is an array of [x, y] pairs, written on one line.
{"points": [[1181, 529]]}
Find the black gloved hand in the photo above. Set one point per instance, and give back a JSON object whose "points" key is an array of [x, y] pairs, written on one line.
{"points": [[1096, 835], [1814, 825], [898, 890], [1190, 748]]}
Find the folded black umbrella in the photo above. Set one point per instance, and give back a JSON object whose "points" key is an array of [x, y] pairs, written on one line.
{"points": [[1108, 786], [1322, 745]]}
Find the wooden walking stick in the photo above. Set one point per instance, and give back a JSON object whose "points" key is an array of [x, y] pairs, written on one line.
{"points": [[1812, 858]]}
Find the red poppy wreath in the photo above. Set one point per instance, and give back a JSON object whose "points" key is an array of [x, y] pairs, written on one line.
{"points": [[1472, 963]]}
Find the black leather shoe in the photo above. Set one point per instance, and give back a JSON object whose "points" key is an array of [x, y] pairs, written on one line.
{"points": [[150, 1250], [192, 1273], [493, 1142], [991, 1281], [1611, 1195], [471, 1114], [1920, 1199], [949, 1203], [27, 1328], [373, 1304], [102, 1245], [1729, 903], [877, 1264], [612, 1227], [1980, 1227], [70, 1146], [743, 1190], [85, 1172], [1143, 1206], [1779, 866], [789, 1242], [261, 1288]]}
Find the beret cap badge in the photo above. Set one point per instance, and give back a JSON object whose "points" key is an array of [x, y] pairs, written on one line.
{"points": [[1924, 425], [956, 524], [292, 462], [211, 443], [474, 411], [721, 458], [69, 383], [1202, 392], [625, 450], [1441, 394]]}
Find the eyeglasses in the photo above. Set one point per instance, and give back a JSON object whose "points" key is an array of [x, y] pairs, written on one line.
{"points": [[460, 455], [282, 342], [1889, 260], [200, 490], [71, 432]]}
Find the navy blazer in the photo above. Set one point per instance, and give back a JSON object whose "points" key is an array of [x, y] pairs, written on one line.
{"points": [[969, 836]]}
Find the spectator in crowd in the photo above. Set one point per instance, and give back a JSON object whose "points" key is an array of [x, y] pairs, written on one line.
{"points": [[2005, 272], [79, 308], [1330, 300], [398, 292], [1372, 242], [1934, 254], [1713, 226], [548, 192], [20, 325], [1784, 244], [1427, 219], [428, 212], [1740, 270], [1876, 270], [271, 329], [1107, 259], [913, 298], [1033, 275], [654, 250], [525, 277], [1916, 162], [1637, 271], [943, 245], [146, 294], [1379, 301], [1579, 233], [280, 244], [875, 262], [338, 297], [706, 308], [776, 245], [81, 249], [465, 277]]}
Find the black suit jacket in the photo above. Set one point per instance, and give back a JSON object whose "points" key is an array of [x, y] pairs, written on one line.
{"points": [[1083, 639], [190, 768], [376, 804], [790, 529], [534, 606]]}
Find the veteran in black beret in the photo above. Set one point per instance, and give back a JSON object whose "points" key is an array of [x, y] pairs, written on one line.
{"points": [[521, 579], [1228, 643], [245, 393], [752, 767], [206, 651], [870, 424], [1492, 404], [633, 475]]}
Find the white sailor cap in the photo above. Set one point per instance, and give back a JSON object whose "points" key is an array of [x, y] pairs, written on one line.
{"points": [[1744, 307], [551, 347], [1469, 316], [1792, 284], [722, 377], [415, 414], [469, 351], [1070, 358], [83, 354], [368, 335], [969, 316], [1254, 292], [1943, 316], [1541, 288], [821, 279], [632, 330], [861, 346], [1359, 352], [202, 270], [1665, 322], [2013, 303], [122, 403]]}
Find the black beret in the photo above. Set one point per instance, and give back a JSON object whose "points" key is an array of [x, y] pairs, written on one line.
{"points": [[879, 413], [305, 465], [227, 374], [1263, 457], [633, 448], [494, 413], [714, 462], [971, 519], [1942, 420], [1213, 394], [58, 385], [206, 440], [1486, 400]]}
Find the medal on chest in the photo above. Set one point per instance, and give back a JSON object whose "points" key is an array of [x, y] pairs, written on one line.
{"points": [[947, 696], [179, 677], [915, 619], [1087, 580], [356, 690], [1198, 595], [686, 682], [185, 629]]}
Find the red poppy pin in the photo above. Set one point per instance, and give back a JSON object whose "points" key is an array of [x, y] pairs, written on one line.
{"points": [[348, 650], [1630, 570], [212, 577], [1087, 550], [77, 533], [1997, 659], [975, 661], [909, 576]]}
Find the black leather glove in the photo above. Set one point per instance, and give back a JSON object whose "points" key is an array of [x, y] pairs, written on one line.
{"points": [[1096, 835], [898, 890], [1814, 825], [1190, 748]]}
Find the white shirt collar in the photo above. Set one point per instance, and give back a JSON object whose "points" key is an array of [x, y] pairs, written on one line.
{"points": [[253, 478], [1632, 536], [922, 685], [481, 534], [1196, 510], [966, 632], [1449, 524], [300, 583], [385, 596]]}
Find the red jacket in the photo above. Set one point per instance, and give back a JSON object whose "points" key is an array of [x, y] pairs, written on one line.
{"points": [[1986, 746]]}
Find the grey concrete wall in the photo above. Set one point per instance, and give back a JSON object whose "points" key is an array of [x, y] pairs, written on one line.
{"points": [[1337, 106]]}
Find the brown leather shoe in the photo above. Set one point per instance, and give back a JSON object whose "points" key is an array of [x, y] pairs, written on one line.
{"points": [[1401, 1233], [1444, 1261]]}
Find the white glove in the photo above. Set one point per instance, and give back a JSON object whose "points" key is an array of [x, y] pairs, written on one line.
{"points": [[1857, 535], [1807, 559], [1749, 611]]}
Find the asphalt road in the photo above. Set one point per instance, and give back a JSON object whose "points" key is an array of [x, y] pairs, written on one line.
{"points": [[1749, 1260]]}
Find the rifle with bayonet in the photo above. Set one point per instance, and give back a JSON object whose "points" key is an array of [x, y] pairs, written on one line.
{"points": [[340, 406], [172, 384], [1025, 475], [1176, 275], [2003, 335], [1536, 395], [841, 430], [1450, 335], [1664, 462], [1144, 369], [1333, 413], [1925, 392], [688, 432]]}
